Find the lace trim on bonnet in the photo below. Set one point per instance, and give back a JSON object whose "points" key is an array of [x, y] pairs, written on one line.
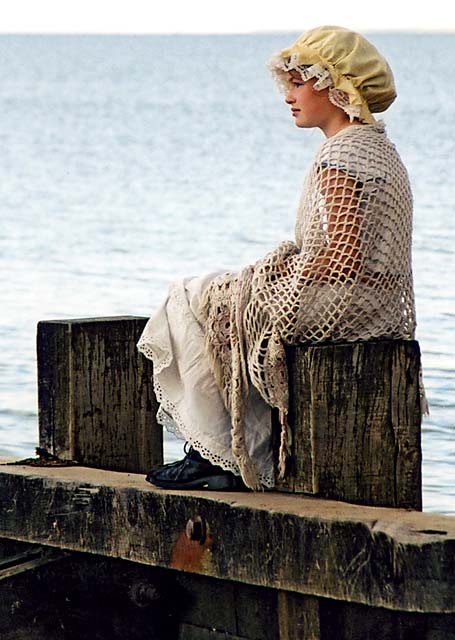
{"points": [[279, 67]]}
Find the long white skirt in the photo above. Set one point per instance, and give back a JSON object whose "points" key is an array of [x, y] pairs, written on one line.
{"points": [[191, 406]]}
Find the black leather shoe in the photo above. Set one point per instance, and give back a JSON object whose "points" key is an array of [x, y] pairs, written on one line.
{"points": [[193, 472]]}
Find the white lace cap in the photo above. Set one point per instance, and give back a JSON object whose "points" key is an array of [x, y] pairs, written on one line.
{"points": [[279, 67]]}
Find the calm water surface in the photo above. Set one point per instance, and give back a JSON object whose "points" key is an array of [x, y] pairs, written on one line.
{"points": [[129, 161]]}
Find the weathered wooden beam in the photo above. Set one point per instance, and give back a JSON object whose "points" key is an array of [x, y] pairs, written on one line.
{"points": [[298, 616], [29, 561], [94, 597], [95, 394], [88, 596], [355, 420], [382, 557], [233, 608]]}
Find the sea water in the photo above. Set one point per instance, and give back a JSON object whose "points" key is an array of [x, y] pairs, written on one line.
{"points": [[129, 161]]}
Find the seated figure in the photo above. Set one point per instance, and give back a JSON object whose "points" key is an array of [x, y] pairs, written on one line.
{"points": [[217, 342]]}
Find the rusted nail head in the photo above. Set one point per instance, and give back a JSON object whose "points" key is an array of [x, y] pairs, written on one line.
{"points": [[196, 529]]}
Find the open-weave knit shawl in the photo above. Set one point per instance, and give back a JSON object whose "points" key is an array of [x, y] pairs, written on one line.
{"points": [[346, 277]]}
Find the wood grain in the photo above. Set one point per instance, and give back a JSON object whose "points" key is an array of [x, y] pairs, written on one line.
{"points": [[382, 557], [355, 421], [95, 394]]}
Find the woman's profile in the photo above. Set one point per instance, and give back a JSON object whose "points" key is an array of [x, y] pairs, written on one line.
{"points": [[217, 342]]}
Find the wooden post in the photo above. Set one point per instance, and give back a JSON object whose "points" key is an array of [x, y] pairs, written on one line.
{"points": [[95, 395], [355, 421], [298, 616]]}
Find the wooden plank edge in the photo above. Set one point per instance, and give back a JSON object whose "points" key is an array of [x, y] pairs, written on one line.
{"points": [[380, 557]]}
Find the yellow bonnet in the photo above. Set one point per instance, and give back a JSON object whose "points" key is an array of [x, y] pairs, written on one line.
{"points": [[344, 61]]}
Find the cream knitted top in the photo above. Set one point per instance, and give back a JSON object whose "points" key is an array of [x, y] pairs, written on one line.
{"points": [[346, 277]]}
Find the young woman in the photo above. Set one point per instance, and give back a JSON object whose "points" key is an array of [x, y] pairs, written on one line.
{"points": [[217, 342]]}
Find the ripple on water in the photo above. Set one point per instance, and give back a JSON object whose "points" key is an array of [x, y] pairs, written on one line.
{"points": [[108, 197]]}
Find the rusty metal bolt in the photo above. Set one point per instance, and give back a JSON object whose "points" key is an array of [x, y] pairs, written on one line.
{"points": [[196, 529], [143, 594]]}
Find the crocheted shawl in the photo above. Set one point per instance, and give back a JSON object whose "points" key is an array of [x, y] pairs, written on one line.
{"points": [[346, 277]]}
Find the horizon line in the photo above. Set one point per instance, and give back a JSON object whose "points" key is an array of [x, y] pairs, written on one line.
{"points": [[396, 30]]}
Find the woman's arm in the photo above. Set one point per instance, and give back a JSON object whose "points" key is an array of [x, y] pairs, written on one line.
{"points": [[343, 256]]}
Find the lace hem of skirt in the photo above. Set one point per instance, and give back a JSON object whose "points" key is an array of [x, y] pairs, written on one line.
{"points": [[169, 417]]}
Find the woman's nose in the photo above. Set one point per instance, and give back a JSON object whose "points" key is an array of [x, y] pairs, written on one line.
{"points": [[289, 99]]}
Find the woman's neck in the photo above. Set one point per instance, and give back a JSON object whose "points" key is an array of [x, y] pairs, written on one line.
{"points": [[335, 127]]}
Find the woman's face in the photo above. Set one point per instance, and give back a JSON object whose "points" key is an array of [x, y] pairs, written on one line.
{"points": [[309, 107]]}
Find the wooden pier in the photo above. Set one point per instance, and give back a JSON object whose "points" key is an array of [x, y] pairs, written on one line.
{"points": [[90, 550]]}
